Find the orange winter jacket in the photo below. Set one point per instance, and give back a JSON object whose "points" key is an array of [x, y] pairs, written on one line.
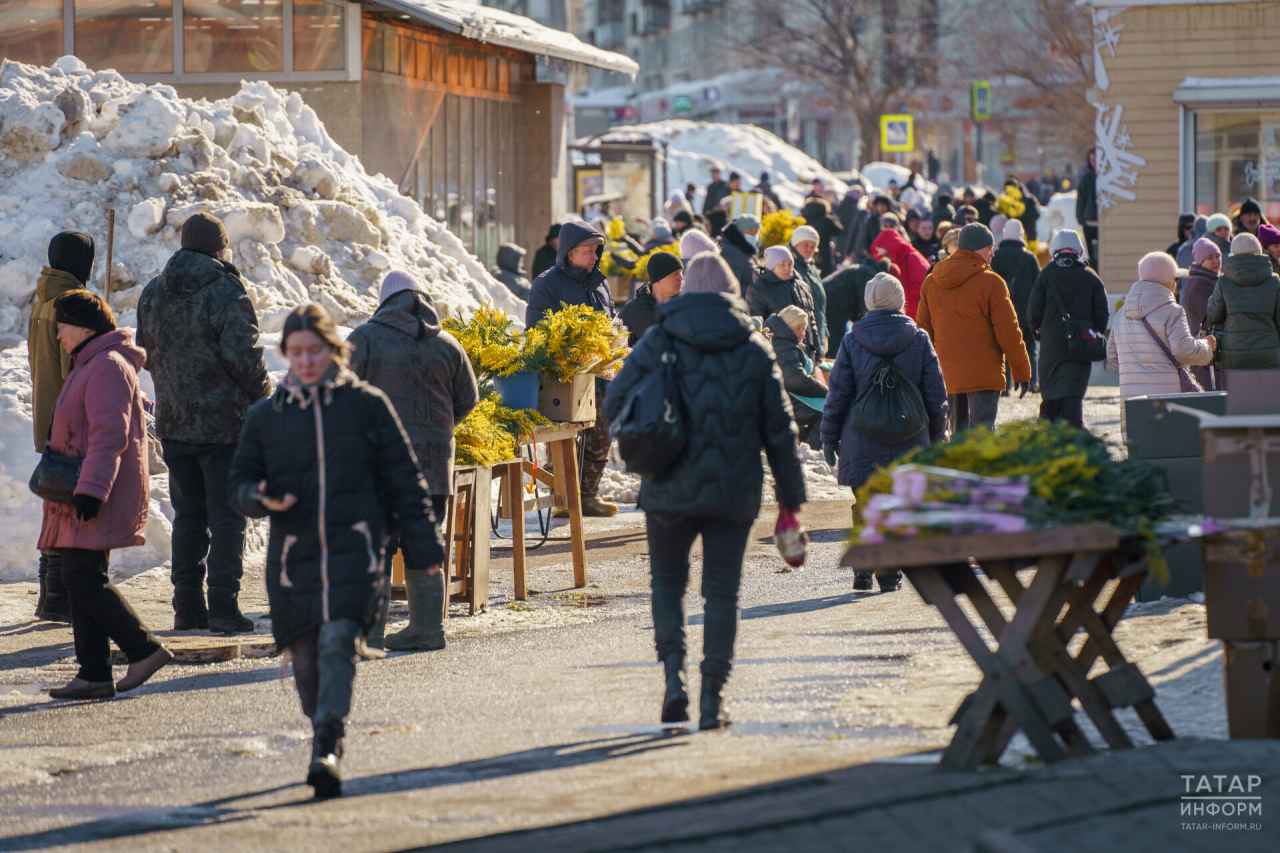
{"points": [[965, 308]]}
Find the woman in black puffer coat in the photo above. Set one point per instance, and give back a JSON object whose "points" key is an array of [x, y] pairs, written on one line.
{"points": [[327, 458], [735, 406]]}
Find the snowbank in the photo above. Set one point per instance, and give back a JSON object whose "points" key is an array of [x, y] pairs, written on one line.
{"points": [[1059, 213], [695, 146], [306, 222], [880, 174]]}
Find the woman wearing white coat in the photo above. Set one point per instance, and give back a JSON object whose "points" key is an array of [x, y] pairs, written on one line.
{"points": [[1145, 353]]}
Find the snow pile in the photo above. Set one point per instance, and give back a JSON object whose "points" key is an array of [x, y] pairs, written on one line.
{"points": [[695, 146], [306, 222], [880, 174]]}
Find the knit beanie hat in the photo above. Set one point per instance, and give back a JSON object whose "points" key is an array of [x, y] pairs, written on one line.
{"points": [[708, 273], [997, 224], [746, 222], [663, 264], [974, 236], [792, 315], [1205, 248], [660, 229], [695, 242], [884, 293], [1268, 235], [1250, 205], [203, 232], [1159, 267], [890, 220], [1245, 243], [1218, 220], [84, 309], [775, 255], [949, 238], [1013, 231], [804, 232], [72, 252], [394, 282], [1066, 239]]}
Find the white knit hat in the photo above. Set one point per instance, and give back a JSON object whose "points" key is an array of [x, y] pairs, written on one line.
{"points": [[394, 282], [1066, 238], [1245, 243], [1013, 231], [884, 293], [695, 242], [1159, 267], [804, 232]]}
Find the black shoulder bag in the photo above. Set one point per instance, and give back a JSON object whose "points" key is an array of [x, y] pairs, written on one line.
{"points": [[1084, 343], [650, 430], [56, 475]]}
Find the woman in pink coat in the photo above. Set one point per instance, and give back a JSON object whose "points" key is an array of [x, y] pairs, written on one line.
{"points": [[912, 266], [98, 418]]}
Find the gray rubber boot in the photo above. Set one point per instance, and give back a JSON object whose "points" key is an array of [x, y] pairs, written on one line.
{"points": [[377, 631], [426, 614]]}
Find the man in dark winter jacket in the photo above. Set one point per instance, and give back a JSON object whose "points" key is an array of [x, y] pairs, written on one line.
{"points": [[428, 378], [845, 289], [943, 211], [1067, 281], [576, 280], [880, 205], [738, 247], [200, 331], [1015, 263], [1249, 218], [817, 214], [765, 188], [510, 270], [666, 274], [852, 214], [716, 192], [545, 258], [1087, 206], [70, 264]]}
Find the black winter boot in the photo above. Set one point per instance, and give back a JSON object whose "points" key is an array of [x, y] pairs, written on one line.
{"points": [[675, 705], [326, 749], [711, 712], [224, 612], [189, 611], [863, 581], [890, 583], [54, 605]]}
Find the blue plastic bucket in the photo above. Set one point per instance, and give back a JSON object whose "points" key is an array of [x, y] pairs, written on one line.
{"points": [[519, 390]]}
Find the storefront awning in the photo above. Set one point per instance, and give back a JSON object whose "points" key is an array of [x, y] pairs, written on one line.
{"points": [[1227, 90], [505, 29]]}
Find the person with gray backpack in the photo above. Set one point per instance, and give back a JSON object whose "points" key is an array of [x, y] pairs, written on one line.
{"points": [[886, 395]]}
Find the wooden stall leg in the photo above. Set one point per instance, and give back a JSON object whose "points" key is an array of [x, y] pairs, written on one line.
{"points": [[514, 483], [478, 582], [568, 455]]}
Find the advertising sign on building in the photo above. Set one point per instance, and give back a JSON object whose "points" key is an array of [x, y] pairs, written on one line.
{"points": [[682, 103], [897, 133]]}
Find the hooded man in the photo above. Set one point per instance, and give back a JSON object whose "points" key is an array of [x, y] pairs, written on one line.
{"points": [[966, 310], [510, 270], [429, 380], [1015, 263], [739, 244], [890, 245], [200, 331], [576, 280], [70, 264]]}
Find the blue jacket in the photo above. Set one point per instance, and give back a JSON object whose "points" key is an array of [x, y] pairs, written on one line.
{"points": [[881, 334], [734, 405], [563, 285]]}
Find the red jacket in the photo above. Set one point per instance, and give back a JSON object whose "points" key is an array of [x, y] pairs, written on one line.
{"points": [[98, 417], [912, 265]]}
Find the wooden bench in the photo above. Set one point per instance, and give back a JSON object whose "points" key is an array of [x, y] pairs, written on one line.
{"points": [[1030, 679]]}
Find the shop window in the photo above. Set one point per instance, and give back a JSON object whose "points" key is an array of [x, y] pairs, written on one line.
{"points": [[233, 36], [1237, 156], [318, 35], [131, 36], [31, 31]]}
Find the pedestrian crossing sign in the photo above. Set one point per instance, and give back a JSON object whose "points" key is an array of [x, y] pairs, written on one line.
{"points": [[897, 133]]}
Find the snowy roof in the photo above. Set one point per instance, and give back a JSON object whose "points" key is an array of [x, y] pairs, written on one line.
{"points": [[505, 29]]}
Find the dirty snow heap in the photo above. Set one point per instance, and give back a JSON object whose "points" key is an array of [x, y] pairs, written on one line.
{"points": [[305, 221]]}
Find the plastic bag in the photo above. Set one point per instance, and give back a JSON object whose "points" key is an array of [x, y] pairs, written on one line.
{"points": [[791, 538]]}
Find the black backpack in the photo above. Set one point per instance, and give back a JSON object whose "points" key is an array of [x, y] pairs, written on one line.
{"points": [[1084, 343], [650, 431], [889, 409]]}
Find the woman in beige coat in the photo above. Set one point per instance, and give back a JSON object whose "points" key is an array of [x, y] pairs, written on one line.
{"points": [[1146, 352]]}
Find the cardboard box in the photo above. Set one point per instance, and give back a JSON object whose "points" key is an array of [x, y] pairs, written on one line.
{"points": [[569, 402]]}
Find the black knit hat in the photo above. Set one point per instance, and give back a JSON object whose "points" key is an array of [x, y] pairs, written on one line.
{"points": [[1251, 206], [203, 232], [72, 252], [84, 309], [553, 232], [663, 264]]}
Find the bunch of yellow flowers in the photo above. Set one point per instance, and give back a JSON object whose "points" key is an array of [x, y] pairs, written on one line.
{"points": [[776, 228], [491, 432]]}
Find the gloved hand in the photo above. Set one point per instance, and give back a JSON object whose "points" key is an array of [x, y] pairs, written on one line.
{"points": [[87, 507], [1023, 388], [831, 450]]}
